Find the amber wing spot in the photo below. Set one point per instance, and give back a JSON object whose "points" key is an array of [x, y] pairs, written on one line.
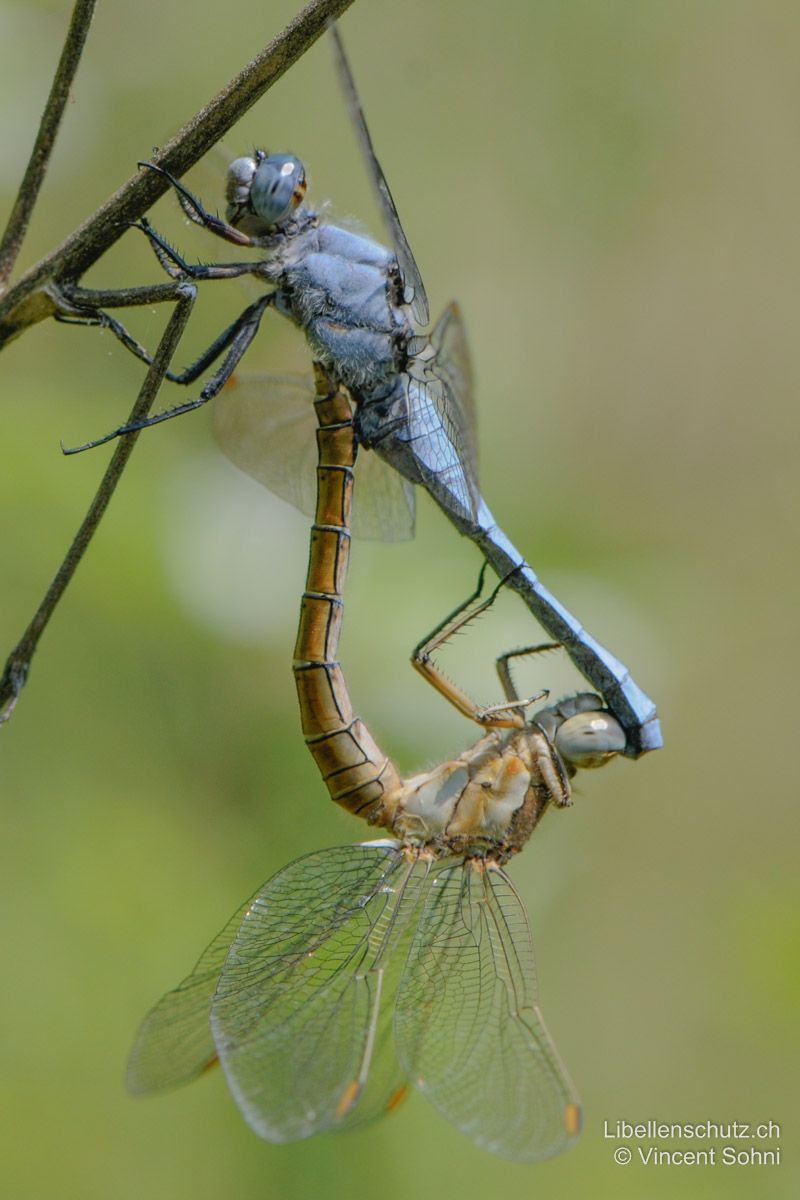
{"points": [[397, 1099], [348, 1099], [573, 1119], [212, 1062]]}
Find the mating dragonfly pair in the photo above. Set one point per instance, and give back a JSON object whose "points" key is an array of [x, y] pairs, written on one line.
{"points": [[358, 969]]}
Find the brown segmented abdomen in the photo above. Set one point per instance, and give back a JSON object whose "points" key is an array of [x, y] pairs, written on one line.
{"points": [[356, 771]]}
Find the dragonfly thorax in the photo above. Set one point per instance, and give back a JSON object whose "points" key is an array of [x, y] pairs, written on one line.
{"points": [[490, 799], [263, 190], [487, 800]]}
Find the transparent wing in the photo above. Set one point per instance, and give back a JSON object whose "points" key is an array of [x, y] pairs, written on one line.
{"points": [[415, 289], [384, 503], [468, 1031], [300, 1009], [386, 1086], [453, 365], [439, 426], [174, 1043], [266, 426]]}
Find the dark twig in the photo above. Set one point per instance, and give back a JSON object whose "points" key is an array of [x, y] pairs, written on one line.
{"points": [[38, 294], [18, 663], [51, 289], [45, 139]]}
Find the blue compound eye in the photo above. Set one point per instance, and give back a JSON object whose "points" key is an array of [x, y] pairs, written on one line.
{"points": [[279, 185], [264, 190]]}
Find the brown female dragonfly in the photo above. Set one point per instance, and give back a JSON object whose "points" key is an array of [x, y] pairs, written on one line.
{"points": [[359, 970]]}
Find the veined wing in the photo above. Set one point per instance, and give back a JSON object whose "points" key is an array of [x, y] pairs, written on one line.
{"points": [[441, 414], [266, 426], [415, 289], [299, 1009], [386, 1084], [453, 364], [469, 1033], [174, 1043]]}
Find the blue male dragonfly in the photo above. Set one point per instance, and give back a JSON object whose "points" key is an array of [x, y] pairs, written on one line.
{"points": [[361, 306]]}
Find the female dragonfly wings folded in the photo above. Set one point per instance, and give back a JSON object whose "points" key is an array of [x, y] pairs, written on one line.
{"points": [[358, 970], [360, 307]]}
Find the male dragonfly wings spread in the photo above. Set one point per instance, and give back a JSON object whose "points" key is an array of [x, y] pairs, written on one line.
{"points": [[358, 970], [359, 306]]}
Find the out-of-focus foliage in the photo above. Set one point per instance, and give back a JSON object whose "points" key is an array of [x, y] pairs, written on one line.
{"points": [[610, 190]]}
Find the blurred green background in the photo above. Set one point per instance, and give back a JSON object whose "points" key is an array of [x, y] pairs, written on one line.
{"points": [[611, 191]]}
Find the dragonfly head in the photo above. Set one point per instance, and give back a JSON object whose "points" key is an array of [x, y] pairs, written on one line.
{"points": [[263, 190], [582, 731]]}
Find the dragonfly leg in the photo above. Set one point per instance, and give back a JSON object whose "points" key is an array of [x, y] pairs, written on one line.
{"points": [[505, 715], [176, 265], [195, 211], [86, 306], [104, 320], [504, 671], [237, 337]]}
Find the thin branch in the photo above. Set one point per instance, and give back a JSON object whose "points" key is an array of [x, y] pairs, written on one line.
{"points": [[45, 139], [37, 295], [49, 289], [18, 663]]}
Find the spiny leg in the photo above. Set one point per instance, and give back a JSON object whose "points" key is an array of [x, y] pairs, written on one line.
{"points": [[237, 336], [82, 306], [504, 671], [195, 210], [228, 337], [103, 320], [506, 715], [236, 339], [99, 319], [85, 306], [177, 266]]}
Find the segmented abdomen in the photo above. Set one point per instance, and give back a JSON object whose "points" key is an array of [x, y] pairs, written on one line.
{"points": [[356, 771]]}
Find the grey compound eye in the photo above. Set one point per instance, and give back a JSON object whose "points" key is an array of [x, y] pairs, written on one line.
{"points": [[589, 739], [239, 183]]}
